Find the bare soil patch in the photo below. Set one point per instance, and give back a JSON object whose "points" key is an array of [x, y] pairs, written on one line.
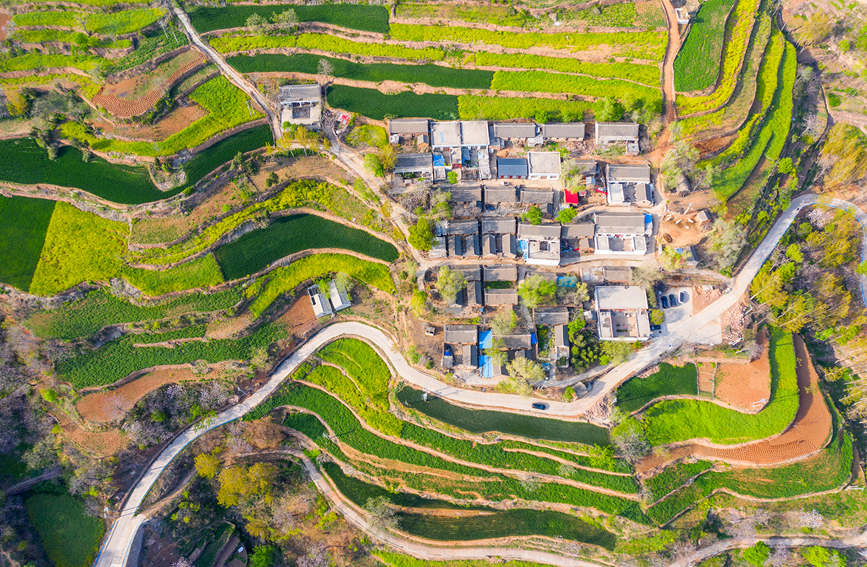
{"points": [[176, 120], [133, 96], [109, 405], [746, 386], [4, 22], [228, 328], [100, 443], [299, 318]]}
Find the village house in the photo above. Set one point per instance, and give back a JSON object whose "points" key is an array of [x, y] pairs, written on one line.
{"points": [[617, 132], [498, 236], [544, 165], [622, 313], [512, 168], [321, 305], [412, 166], [504, 273], [542, 198], [566, 131], [607, 274], [460, 346], [622, 233], [301, 104], [445, 135], [577, 238], [338, 296], [496, 297], [515, 130], [551, 316], [540, 243], [466, 201], [502, 199], [409, 129], [475, 134], [463, 238], [561, 344], [629, 184]]}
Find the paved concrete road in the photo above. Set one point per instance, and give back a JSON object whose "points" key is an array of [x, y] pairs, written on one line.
{"points": [[116, 546]]}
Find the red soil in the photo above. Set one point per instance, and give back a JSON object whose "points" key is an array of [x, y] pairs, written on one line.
{"points": [[299, 319], [125, 98], [176, 120], [4, 21], [746, 386]]}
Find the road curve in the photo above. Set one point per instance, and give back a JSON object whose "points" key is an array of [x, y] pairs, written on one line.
{"points": [[116, 546]]}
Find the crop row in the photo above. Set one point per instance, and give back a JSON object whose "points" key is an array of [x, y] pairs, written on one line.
{"points": [[738, 28], [472, 107], [350, 431], [120, 358], [301, 193], [734, 113], [541, 81], [38, 61], [646, 74], [323, 42], [667, 381], [768, 142], [827, 471], [377, 105], [434, 75], [645, 45], [353, 16], [471, 525], [674, 477], [284, 279], [697, 64], [104, 23], [46, 35], [670, 421], [149, 47], [371, 402], [202, 272], [99, 308], [86, 85]]}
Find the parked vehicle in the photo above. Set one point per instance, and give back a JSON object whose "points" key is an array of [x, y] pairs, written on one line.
{"points": [[672, 299], [540, 406], [684, 297], [663, 301]]}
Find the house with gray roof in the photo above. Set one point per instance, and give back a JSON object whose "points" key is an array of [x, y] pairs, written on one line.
{"points": [[498, 225], [622, 233], [301, 104], [504, 273], [501, 195], [408, 128], [577, 238], [540, 243], [411, 166], [320, 303], [473, 296], [460, 347], [549, 316], [542, 198], [622, 313], [514, 130], [563, 131], [628, 184], [444, 135], [512, 168], [611, 132], [497, 297], [470, 273]]}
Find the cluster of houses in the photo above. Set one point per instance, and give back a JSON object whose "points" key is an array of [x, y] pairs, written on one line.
{"points": [[620, 313], [546, 244], [330, 300], [467, 147]]}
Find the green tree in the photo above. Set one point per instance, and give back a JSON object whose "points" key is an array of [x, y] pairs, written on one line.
{"points": [[421, 236], [452, 177], [257, 22], [450, 283], [794, 253], [533, 215], [504, 322], [207, 465], [286, 20], [535, 290], [263, 556], [615, 352], [525, 369], [630, 439], [382, 515], [757, 554], [373, 164], [608, 110], [418, 303], [657, 316], [566, 215]]}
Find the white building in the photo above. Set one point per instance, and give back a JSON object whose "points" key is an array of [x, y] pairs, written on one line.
{"points": [[339, 297], [321, 305], [544, 165], [301, 104], [622, 313]]}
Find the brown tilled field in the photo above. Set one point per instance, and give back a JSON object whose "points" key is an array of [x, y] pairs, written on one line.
{"points": [[136, 95], [746, 386], [176, 120]]}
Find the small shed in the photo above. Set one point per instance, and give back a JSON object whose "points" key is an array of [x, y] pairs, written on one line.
{"points": [[339, 297], [321, 305]]}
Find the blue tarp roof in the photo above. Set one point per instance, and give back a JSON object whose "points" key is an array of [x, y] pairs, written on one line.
{"points": [[486, 366]]}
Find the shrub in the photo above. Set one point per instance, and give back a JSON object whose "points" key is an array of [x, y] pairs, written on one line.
{"points": [[421, 236]]}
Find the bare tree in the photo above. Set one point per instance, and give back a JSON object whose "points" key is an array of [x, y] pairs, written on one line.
{"points": [[316, 556], [326, 69], [780, 557], [381, 513], [182, 562]]}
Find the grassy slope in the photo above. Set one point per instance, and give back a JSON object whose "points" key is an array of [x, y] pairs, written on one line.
{"points": [[22, 235], [698, 62]]}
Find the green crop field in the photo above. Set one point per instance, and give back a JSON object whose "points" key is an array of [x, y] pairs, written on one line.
{"points": [[213, 157], [542, 81], [202, 272], [353, 16], [669, 380], [25, 162], [119, 358], [22, 235], [98, 309], [698, 61], [107, 23], [256, 250], [79, 246], [471, 107], [434, 75], [69, 535], [481, 421], [670, 421], [376, 105]]}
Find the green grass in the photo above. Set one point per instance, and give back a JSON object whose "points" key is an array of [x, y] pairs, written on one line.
{"points": [[69, 535], [258, 249], [104, 23], [63, 36], [610, 15], [79, 246], [22, 234], [285, 279], [489, 14], [673, 477], [482, 421], [25, 162], [667, 381], [203, 272], [697, 64], [376, 105], [98, 309], [38, 61], [119, 358], [670, 421], [434, 75], [645, 45], [471, 107], [213, 157], [542, 81], [353, 16]]}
